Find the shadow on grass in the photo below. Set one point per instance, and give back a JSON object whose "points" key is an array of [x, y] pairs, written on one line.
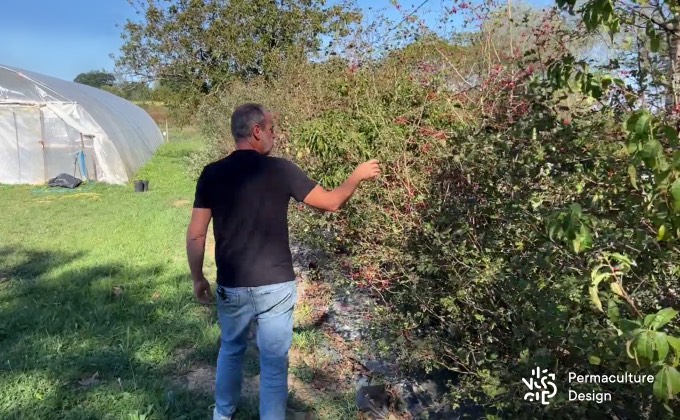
{"points": [[82, 340], [249, 406]]}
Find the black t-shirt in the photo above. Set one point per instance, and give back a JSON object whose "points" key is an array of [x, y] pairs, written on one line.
{"points": [[249, 194]]}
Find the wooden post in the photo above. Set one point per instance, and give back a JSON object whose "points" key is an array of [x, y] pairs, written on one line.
{"points": [[167, 133], [16, 134], [42, 142], [82, 150], [94, 158]]}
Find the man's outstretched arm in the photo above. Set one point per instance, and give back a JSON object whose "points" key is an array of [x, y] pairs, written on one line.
{"points": [[334, 200], [196, 235]]}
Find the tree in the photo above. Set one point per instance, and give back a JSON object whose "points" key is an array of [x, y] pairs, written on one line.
{"points": [[96, 78], [655, 26], [197, 46]]}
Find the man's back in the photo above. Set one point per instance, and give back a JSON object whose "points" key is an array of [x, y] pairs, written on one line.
{"points": [[248, 194]]}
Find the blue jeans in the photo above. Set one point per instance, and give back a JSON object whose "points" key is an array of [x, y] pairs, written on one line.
{"points": [[272, 308]]}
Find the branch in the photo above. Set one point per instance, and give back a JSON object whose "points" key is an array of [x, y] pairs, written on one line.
{"points": [[665, 26]]}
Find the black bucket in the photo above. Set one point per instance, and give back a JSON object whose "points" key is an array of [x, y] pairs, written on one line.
{"points": [[146, 184], [139, 186]]}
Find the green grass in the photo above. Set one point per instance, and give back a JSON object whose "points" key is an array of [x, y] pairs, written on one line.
{"points": [[97, 316], [95, 300], [306, 340]]}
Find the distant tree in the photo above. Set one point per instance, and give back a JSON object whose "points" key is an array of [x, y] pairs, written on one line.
{"points": [[96, 78], [195, 46], [135, 91]]}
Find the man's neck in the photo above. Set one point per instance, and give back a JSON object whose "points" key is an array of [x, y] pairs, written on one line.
{"points": [[245, 145]]}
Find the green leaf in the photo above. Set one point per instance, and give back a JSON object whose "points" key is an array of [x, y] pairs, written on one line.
{"points": [[674, 377], [651, 149], [642, 123], [661, 346], [663, 317], [613, 312], [655, 43], [666, 383], [621, 258], [675, 193], [674, 342], [670, 134], [595, 91], [583, 240], [630, 121], [644, 345], [649, 319], [595, 298], [630, 354], [628, 325], [594, 360], [654, 38], [662, 387], [576, 209], [564, 3], [596, 278], [676, 159], [632, 174], [661, 178], [553, 228], [616, 288], [662, 233]]}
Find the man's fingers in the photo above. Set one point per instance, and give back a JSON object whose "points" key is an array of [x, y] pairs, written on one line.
{"points": [[203, 294], [205, 297]]}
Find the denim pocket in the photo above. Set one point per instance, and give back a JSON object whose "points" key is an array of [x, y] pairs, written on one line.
{"points": [[276, 300], [276, 288], [227, 300]]}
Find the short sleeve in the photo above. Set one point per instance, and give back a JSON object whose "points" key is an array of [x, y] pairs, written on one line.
{"points": [[202, 198], [299, 184]]}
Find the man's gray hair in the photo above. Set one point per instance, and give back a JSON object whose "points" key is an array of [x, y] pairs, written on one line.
{"points": [[244, 118]]}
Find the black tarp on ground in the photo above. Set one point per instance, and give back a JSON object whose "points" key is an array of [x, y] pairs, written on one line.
{"points": [[65, 181]]}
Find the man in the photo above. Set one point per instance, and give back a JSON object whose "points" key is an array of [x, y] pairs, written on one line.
{"points": [[247, 195]]}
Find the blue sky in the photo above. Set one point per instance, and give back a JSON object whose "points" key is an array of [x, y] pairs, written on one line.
{"points": [[66, 37]]}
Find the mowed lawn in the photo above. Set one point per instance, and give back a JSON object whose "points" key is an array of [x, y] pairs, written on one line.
{"points": [[97, 317]]}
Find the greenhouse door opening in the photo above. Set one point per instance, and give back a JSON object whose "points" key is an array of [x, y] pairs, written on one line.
{"points": [[66, 149]]}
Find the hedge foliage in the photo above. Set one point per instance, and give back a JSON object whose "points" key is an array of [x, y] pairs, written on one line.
{"points": [[528, 214]]}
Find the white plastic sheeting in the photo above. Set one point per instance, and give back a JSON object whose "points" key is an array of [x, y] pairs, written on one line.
{"points": [[46, 122]]}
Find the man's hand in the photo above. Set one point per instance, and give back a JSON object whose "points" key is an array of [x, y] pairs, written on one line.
{"points": [[368, 170], [333, 200], [202, 291], [196, 233]]}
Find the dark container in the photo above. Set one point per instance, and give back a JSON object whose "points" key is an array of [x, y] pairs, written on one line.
{"points": [[139, 186]]}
